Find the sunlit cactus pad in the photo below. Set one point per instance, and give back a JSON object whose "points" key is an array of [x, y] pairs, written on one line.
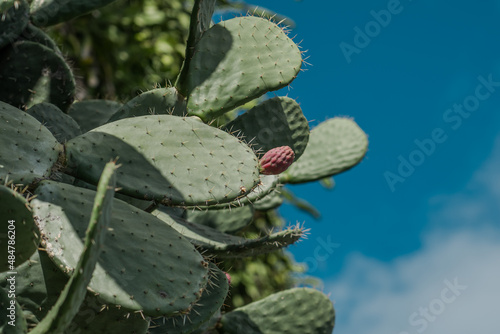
{"points": [[335, 146], [294, 311], [174, 160], [238, 60]]}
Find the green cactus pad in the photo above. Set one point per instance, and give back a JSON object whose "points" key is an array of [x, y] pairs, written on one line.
{"points": [[32, 73], [62, 126], [226, 245], [267, 184], [201, 19], [95, 318], [49, 284], [294, 311], [31, 291], [34, 34], [276, 122], [29, 150], [170, 159], [18, 234], [236, 61], [144, 265], [229, 220], [209, 304], [335, 146], [158, 101], [73, 294], [15, 324], [14, 17], [270, 201], [138, 203], [45, 13], [90, 114], [38, 285]]}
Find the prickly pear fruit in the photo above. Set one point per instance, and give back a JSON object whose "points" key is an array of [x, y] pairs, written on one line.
{"points": [[228, 278], [276, 160]]}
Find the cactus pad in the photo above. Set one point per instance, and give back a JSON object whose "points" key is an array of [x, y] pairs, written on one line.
{"points": [[94, 318], [228, 220], [31, 73], [276, 122], [62, 126], [18, 232], [236, 61], [201, 19], [18, 324], [159, 101], [49, 12], [226, 245], [270, 201], [14, 17], [144, 265], [209, 304], [90, 114], [37, 35], [335, 145], [170, 159], [38, 285], [73, 294], [294, 311], [29, 150], [267, 184]]}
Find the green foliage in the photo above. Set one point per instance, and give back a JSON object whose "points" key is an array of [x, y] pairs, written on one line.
{"points": [[126, 47], [145, 247]]}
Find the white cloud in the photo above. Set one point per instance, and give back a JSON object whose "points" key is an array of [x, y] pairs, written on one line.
{"points": [[411, 294]]}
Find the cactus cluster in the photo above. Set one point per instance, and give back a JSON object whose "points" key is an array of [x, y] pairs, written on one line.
{"points": [[122, 212]]}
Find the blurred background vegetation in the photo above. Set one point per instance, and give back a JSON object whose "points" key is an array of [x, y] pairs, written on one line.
{"points": [[126, 47], [131, 46]]}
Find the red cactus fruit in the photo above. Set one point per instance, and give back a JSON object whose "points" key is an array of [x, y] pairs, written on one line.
{"points": [[228, 278], [276, 160]]}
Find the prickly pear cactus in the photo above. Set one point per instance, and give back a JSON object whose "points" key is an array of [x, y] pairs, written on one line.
{"points": [[136, 245]]}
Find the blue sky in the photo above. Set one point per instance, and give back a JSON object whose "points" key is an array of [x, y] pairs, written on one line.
{"points": [[419, 254]]}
